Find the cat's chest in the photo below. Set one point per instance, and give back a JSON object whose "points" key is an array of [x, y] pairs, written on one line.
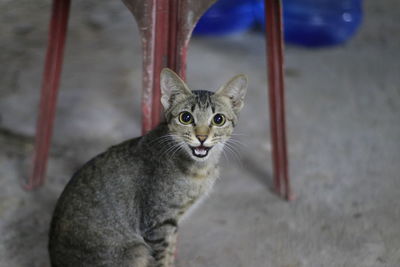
{"points": [[201, 181], [198, 185]]}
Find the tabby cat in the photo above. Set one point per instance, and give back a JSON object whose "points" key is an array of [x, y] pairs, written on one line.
{"points": [[123, 207]]}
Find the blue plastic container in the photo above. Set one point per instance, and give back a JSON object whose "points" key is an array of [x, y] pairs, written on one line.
{"points": [[316, 23], [227, 17]]}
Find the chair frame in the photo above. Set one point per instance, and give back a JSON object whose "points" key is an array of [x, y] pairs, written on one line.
{"points": [[165, 27]]}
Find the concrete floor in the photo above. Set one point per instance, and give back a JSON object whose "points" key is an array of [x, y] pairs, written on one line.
{"points": [[343, 120]]}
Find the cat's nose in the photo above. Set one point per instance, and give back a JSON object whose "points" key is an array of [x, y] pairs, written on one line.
{"points": [[202, 138]]}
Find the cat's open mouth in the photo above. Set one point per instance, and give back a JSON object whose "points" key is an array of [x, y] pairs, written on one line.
{"points": [[200, 151]]}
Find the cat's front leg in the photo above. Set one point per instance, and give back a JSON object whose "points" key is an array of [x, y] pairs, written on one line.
{"points": [[162, 240], [171, 250]]}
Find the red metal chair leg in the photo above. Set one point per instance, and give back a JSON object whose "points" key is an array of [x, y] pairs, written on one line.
{"points": [[165, 28], [51, 80], [146, 14], [161, 56], [184, 15], [274, 35]]}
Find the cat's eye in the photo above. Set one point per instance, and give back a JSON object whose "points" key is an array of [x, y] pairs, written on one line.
{"points": [[185, 118], [218, 120]]}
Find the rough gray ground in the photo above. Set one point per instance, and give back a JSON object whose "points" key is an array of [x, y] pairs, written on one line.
{"points": [[343, 121]]}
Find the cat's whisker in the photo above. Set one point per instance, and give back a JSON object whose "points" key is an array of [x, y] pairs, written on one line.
{"points": [[179, 147], [187, 139], [236, 155], [232, 146], [161, 137], [164, 143], [236, 142], [218, 139], [167, 141], [224, 153], [239, 134], [232, 155], [166, 146], [169, 149], [232, 142], [176, 146]]}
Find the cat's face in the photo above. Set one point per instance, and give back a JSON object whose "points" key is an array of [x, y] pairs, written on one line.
{"points": [[201, 121]]}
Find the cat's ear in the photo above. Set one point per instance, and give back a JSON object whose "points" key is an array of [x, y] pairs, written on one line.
{"points": [[235, 90], [173, 88]]}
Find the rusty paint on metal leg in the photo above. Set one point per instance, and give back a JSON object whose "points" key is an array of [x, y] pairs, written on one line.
{"points": [[188, 14], [51, 80], [182, 16], [161, 44], [144, 14], [274, 35], [165, 28], [285, 166]]}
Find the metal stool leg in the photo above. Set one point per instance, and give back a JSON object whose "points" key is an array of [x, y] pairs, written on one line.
{"points": [[182, 18], [146, 14], [51, 80], [165, 28], [274, 35]]}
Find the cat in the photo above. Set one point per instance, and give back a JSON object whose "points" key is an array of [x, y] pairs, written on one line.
{"points": [[123, 207]]}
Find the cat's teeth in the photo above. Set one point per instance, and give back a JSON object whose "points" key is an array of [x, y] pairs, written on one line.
{"points": [[200, 151]]}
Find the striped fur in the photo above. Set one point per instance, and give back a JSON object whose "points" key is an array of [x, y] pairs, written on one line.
{"points": [[123, 207]]}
